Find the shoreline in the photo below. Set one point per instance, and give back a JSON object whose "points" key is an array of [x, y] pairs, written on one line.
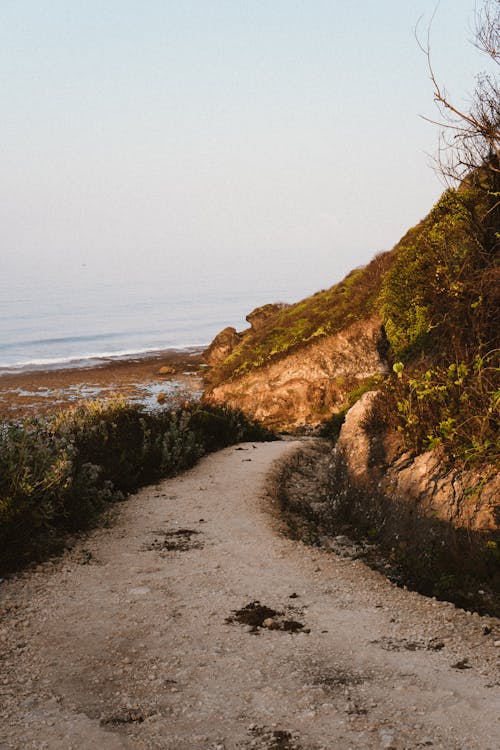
{"points": [[137, 378]]}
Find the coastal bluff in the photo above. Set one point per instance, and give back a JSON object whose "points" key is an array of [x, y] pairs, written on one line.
{"points": [[305, 386], [398, 364]]}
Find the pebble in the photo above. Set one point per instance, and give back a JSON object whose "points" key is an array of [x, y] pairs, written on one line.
{"points": [[496, 644], [387, 739], [271, 623]]}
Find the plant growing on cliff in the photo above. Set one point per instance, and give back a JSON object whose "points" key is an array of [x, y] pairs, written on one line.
{"points": [[455, 408], [434, 292], [470, 136]]}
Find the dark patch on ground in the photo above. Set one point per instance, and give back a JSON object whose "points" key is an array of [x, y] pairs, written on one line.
{"points": [[403, 644], [292, 626], [178, 540], [339, 677], [258, 615], [86, 557], [253, 614], [275, 739], [129, 716]]}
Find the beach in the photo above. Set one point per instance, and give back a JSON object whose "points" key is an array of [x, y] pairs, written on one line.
{"points": [[176, 373]]}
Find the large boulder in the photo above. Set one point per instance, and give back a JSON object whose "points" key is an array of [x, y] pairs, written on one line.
{"points": [[258, 317], [221, 347], [371, 466]]}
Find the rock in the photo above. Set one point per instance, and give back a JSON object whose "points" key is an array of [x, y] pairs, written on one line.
{"points": [[496, 644], [387, 739], [305, 386], [166, 370], [161, 398], [258, 317], [271, 623], [366, 458], [221, 347], [354, 445], [461, 664]]}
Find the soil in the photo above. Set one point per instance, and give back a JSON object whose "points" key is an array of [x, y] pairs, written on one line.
{"points": [[127, 643], [175, 373]]}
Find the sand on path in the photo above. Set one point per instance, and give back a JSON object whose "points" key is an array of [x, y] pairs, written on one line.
{"points": [[123, 642]]}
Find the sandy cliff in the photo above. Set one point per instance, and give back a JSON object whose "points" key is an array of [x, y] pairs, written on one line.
{"points": [[307, 385], [367, 463]]}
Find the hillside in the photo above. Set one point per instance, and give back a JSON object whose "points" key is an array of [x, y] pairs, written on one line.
{"points": [[431, 302], [399, 361]]}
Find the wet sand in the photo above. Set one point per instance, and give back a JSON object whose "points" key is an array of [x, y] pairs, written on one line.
{"points": [[136, 379]]}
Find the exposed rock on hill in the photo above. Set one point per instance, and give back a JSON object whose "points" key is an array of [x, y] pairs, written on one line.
{"points": [[225, 343], [366, 459], [222, 346], [261, 315], [309, 384]]}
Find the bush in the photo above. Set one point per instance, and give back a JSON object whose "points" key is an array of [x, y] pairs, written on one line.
{"points": [[58, 473], [455, 408], [437, 297]]}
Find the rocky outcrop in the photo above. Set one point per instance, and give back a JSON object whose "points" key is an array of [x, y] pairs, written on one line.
{"points": [[258, 317], [306, 386], [222, 346], [229, 338], [374, 466]]}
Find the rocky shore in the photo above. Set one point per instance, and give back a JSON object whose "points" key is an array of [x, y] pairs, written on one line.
{"points": [[174, 373]]}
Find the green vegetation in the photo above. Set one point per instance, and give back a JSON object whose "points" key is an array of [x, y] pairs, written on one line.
{"points": [[294, 326], [437, 296], [57, 474], [455, 408], [439, 302]]}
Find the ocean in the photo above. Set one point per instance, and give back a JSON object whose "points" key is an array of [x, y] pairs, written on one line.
{"points": [[85, 320]]}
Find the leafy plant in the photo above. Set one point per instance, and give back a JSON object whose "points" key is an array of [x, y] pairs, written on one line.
{"points": [[57, 474], [455, 407], [429, 296]]}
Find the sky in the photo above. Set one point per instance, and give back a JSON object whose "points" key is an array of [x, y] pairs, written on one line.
{"points": [[218, 143]]}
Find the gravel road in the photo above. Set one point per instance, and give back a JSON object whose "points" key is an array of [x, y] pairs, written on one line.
{"points": [[132, 640]]}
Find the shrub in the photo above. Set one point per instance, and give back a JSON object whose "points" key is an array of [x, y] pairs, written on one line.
{"points": [[58, 473], [454, 407], [432, 297]]}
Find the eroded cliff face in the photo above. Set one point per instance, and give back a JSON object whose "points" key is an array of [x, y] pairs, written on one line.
{"points": [[229, 338], [305, 387], [373, 468], [222, 346], [258, 317]]}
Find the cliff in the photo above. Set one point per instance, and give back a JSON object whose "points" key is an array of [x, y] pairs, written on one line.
{"points": [[311, 382], [428, 308], [371, 461]]}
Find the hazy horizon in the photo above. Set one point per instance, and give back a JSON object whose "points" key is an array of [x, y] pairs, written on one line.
{"points": [[195, 145]]}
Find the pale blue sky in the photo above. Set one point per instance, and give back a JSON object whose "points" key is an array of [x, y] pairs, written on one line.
{"points": [[215, 142]]}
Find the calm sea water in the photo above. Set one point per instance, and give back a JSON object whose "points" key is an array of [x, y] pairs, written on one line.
{"points": [[51, 324]]}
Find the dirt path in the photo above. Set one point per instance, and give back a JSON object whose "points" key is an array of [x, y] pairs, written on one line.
{"points": [[123, 643]]}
